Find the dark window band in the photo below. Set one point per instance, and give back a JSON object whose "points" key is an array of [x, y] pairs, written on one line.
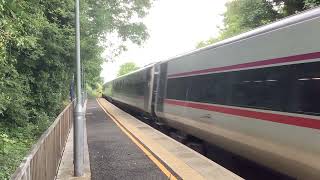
{"points": [[289, 88]]}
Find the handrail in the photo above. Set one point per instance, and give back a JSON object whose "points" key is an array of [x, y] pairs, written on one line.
{"points": [[43, 160]]}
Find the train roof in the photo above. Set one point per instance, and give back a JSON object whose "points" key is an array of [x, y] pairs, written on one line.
{"points": [[133, 72], [293, 19]]}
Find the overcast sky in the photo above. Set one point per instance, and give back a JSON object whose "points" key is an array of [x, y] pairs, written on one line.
{"points": [[175, 27]]}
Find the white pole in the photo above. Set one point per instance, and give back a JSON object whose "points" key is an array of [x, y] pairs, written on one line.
{"points": [[78, 114]]}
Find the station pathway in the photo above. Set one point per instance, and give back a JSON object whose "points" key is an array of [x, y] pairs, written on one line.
{"points": [[112, 154]]}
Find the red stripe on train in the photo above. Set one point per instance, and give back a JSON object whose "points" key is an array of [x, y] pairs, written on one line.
{"points": [[288, 59], [284, 119]]}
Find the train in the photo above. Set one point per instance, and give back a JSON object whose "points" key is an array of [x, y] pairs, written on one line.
{"points": [[256, 94]]}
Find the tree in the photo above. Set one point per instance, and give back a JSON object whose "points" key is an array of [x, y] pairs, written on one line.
{"points": [[37, 52], [290, 7], [126, 68], [102, 20], [311, 3], [207, 42], [244, 15]]}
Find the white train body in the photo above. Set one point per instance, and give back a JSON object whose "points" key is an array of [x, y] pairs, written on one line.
{"points": [[256, 94]]}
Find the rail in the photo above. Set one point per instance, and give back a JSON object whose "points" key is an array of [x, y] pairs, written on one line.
{"points": [[44, 158]]}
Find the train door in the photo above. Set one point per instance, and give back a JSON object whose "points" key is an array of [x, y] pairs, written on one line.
{"points": [[147, 93], [156, 74], [160, 87]]}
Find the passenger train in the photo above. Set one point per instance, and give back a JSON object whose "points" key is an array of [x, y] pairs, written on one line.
{"points": [[256, 94]]}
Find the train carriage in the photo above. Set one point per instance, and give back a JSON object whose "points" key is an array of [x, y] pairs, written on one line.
{"points": [[133, 89]]}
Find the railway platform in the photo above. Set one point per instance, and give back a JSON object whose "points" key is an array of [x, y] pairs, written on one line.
{"points": [[122, 147]]}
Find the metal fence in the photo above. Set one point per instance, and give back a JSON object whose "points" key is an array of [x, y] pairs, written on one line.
{"points": [[42, 163]]}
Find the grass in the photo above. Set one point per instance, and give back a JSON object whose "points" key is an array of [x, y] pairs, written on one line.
{"points": [[14, 145]]}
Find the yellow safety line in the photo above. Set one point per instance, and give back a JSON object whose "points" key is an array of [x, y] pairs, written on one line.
{"points": [[145, 151]]}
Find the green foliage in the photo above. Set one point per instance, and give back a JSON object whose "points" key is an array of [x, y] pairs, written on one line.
{"points": [[37, 58], [311, 3], [290, 7], [104, 19], [207, 42], [14, 143], [108, 90], [95, 91], [126, 68], [244, 15]]}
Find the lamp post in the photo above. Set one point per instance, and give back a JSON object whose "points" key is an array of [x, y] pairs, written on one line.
{"points": [[78, 135]]}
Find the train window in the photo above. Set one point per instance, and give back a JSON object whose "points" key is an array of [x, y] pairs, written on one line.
{"points": [[264, 88], [131, 86], [177, 88], [288, 88], [210, 88], [305, 89]]}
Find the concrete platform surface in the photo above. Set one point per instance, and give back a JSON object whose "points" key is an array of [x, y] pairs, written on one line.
{"points": [[113, 155], [184, 162], [66, 166]]}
